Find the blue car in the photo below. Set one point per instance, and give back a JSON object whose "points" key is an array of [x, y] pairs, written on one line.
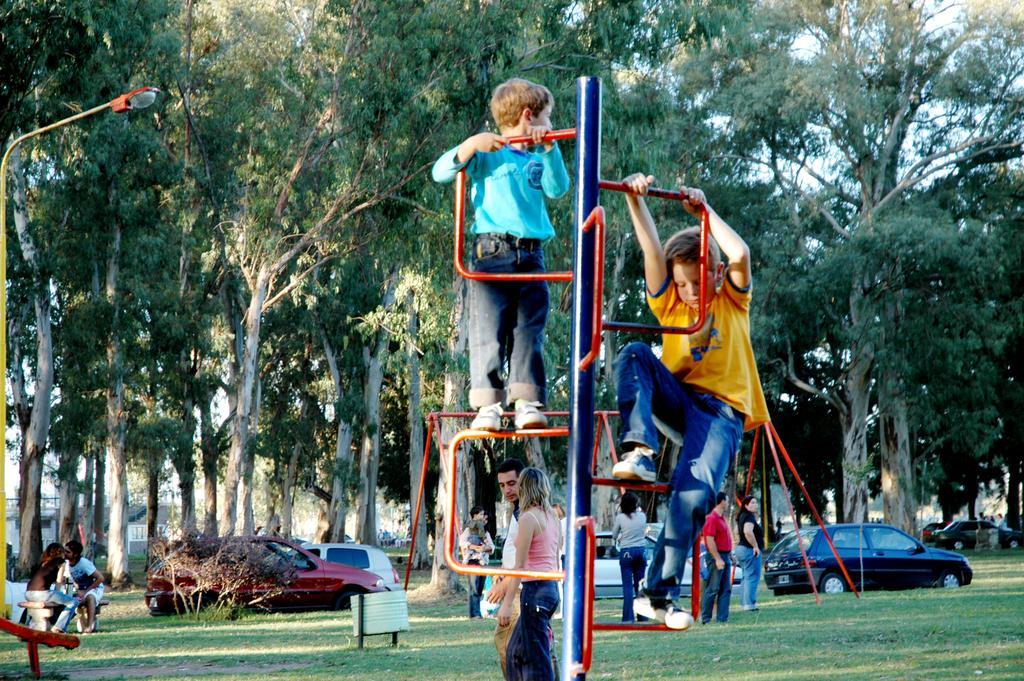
{"points": [[876, 556]]}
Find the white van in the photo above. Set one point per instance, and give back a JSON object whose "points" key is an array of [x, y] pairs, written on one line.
{"points": [[361, 556]]}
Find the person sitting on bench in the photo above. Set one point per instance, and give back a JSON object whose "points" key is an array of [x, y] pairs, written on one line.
{"points": [[89, 581], [42, 586]]}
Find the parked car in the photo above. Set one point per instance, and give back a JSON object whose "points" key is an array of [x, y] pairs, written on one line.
{"points": [[312, 582], [1009, 538], [359, 556], [608, 577], [961, 534], [929, 530], [876, 556]]}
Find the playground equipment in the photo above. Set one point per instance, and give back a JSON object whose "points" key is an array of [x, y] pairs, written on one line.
{"points": [[587, 277], [33, 639]]}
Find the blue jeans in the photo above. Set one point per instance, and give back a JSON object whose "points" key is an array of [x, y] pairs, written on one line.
{"points": [[717, 589], [58, 598], [751, 565], [632, 565], [506, 324], [476, 590], [711, 437], [529, 648]]}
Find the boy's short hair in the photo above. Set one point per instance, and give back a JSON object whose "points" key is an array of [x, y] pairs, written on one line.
{"points": [[684, 247], [511, 97], [720, 497], [75, 547]]}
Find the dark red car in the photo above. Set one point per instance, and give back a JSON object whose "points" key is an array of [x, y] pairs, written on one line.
{"points": [[309, 583]]}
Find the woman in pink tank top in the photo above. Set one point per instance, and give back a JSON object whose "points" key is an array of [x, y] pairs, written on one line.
{"points": [[537, 548]]}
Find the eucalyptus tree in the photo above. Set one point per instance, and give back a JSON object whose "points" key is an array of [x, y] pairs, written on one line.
{"points": [[850, 109]]}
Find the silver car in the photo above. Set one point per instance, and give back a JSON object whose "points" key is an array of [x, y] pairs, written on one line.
{"points": [[608, 577]]}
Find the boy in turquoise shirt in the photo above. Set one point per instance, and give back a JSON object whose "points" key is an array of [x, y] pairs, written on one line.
{"points": [[507, 319]]}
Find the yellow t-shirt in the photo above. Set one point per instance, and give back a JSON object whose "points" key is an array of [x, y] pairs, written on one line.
{"points": [[718, 359]]}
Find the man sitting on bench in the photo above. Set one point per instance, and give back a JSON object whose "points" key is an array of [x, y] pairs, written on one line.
{"points": [[89, 581]]}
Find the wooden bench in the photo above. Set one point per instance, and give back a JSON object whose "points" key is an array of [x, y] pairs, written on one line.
{"points": [[34, 638], [384, 612], [43, 615]]}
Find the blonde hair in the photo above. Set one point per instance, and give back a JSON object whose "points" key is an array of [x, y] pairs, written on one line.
{"points": [[534, 490], [511, 97], [684, 247]]}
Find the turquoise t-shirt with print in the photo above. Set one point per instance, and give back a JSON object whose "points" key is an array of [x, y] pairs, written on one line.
{"points": [[508, 189]]}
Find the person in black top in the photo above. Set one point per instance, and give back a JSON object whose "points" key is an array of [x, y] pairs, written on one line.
{"points": [[749, 550], [39, 585]]}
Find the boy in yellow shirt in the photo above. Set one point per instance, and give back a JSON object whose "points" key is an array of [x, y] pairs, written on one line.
{"points": [[705, 385]]}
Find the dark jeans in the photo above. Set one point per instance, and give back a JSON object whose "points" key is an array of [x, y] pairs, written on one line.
{"points": [[506, 324], [529, 648], [711, 437], [632, 565], [476, 590], [717, 589]]}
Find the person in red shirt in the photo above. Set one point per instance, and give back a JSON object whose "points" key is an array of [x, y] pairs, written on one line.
{"points": [[718, 586]]}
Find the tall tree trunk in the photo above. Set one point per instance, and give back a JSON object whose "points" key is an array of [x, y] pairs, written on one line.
{"points": [[209, 450], [420, 554], [246, 518], [152, 505], [897, 463], [117, 536], [613, 284], [341, 470], [369, 451], [442, 578], [67, 474], [99, 509], [185, 466], [243, 389], [88, 506], [291, 474], [856, 467], [1015, 466], [34, 438]]}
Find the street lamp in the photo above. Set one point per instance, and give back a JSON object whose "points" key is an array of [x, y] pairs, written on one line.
{"points": [[139, 98]]}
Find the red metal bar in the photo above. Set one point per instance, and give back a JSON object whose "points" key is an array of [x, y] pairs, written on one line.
{"points": [[695, 578], [431, 418], [460, 224], [705, 231], [588, 620], [596, 217], [796, 526], [449, 548], [753, 457], [661, 487], [814, 511]]}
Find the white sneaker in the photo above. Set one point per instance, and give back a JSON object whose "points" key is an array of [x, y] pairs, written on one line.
{"points": [[488, 418], [637, 465], [677, 619], [669, 614], [528, 415]]}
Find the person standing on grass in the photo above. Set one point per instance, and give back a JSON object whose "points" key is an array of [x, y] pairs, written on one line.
{"points": [[749, 551], [44, 587], [628, 535], [477, 547], [508, 484], [718, 587], [537, 543]]}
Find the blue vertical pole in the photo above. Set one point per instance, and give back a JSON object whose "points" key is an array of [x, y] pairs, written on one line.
{"points": [[581, 390]]}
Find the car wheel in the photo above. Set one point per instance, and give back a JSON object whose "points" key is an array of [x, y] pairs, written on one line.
{"points": [[343, 601], [958, 545], [832, 583], [949, 580], [1013, 543]]}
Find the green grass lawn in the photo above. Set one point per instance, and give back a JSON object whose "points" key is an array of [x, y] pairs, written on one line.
{"points": [[976, 632]]}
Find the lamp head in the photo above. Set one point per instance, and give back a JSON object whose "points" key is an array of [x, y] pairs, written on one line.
{"points": [[136, 99]]}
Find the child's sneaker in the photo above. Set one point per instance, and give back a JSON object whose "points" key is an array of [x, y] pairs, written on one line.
{"points": [[488, 418], [663, 611], [637, 464], [528, 415], [676, 618]]}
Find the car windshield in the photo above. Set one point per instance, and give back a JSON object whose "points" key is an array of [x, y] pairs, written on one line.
{"points": [[788, 542]]}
